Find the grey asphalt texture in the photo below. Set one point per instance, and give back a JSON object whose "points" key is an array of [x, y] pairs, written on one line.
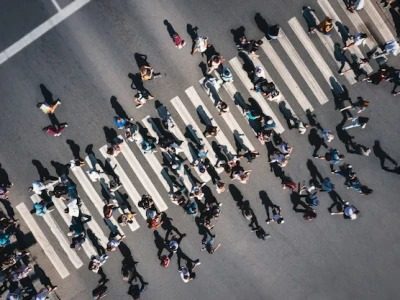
{"points": [[87, 58]]}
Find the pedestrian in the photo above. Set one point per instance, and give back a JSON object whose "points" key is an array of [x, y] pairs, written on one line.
{"points": [[56, 129], [353, 5], [142, 97], [250, 46], [391, 47], [222, 107], [357, 39], [357, 122], [279, 158], [396, 80], [185, 274], [347, 210], [40, 208], [126, 218], [147, 73], [148, 145], [326, 26], [215, 61], [276, 215], [114, 241], [333, 157], [309, 16], [208, 243], [210, 131], [146, 202], [108, 210], [49, 108], [200, 45]]}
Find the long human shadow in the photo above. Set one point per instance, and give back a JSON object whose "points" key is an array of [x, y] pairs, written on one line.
{"points": [[110, 134], [261, 23], [4, 177], [95, 242], [136, 281], [75, 149], [47, 95], [43, 172], [119, 110], [316, 141], [248, 65], [266, 202], [316, 176], [382, 155], [61, 169], [159, 242], [43, 277], [343, 31]]}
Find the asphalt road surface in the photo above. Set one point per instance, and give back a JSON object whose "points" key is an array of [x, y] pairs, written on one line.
{"points": [[85, 61]]}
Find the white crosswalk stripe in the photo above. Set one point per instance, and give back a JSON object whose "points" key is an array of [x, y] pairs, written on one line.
{"points": [[291, 83], [231, 121], [330, 48], [185, 147], [329, 11], [127, 184], [312, 51], [282, 98], [378, 22], [237, 67], [189, 122], [41, 238], [360, 26], [202, 109], [92, 194], [142, 175], [302, 68], [153, 162], [104, 182], [60, 236], [87, 248]]}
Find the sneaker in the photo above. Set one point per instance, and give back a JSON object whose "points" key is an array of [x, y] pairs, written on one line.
{"points": [[197, 263], [367, 152], [364, 125], [203, 247]]}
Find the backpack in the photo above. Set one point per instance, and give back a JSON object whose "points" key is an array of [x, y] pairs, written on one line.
{"points": [[312, 199]]}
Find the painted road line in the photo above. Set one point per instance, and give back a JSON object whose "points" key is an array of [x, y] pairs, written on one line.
{"points": [[149, 124], [104, 182], [127, 184], [378, 22], [257, 62], [284, 73], [232, 92], [330, 48], [360, 26], [142, 175], [329, 11], [312, 51], [199, 105], [87, 247], [231, 122], [56, 5], [301, 68], [42, 29], [237, 67], [205, 177], [91, 192], [188, 120], [44, 243], [60, 236]]}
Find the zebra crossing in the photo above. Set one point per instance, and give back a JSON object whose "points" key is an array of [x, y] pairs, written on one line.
{"points": [[193, 114]]}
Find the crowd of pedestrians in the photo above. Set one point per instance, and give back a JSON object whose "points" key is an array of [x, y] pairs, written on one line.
{"points": [[198, 200]]}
